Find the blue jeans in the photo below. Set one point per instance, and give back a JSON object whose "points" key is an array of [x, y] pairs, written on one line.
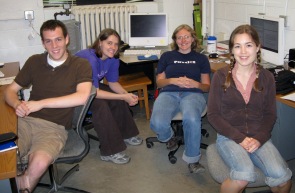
{"points": [[191, 105], [241, 163]]}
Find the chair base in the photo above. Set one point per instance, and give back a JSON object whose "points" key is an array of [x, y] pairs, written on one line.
{"points": [[171, 155], [55, 184], [61, 188], [88, 126]]}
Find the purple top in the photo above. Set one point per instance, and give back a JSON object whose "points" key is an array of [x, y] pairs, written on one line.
{"points": [[108, 68]]}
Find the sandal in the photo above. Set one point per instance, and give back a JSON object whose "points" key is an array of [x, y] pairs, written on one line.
{"points": [[26, 190]]}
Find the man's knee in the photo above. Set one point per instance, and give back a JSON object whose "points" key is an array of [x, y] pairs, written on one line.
{"points": [[40, 161]]}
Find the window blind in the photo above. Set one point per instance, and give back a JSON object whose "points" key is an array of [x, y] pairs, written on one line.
{"points": [[57, 3]]}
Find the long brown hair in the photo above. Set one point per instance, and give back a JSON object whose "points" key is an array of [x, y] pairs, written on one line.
{"points": [[195, 43], [105, 34], [244, 29]]}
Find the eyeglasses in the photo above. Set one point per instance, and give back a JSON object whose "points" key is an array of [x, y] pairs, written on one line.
{"points": [[183, 37]]}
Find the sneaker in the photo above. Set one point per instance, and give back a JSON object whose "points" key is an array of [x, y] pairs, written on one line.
{"points": [[196, 168], [172, 144], [118, 158], [133, 141]]}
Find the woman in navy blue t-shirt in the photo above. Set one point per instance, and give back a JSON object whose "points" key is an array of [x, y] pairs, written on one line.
{"points": [[182, 76]]}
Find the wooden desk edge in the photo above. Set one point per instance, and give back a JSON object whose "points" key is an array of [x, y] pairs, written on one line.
{"points": [[284, 101], [8, 123]]}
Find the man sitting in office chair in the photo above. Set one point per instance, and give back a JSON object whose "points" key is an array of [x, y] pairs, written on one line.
{"points": [[59, 83]]}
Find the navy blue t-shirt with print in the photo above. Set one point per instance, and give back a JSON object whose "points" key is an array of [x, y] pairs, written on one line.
{"points": [[176, 64]]}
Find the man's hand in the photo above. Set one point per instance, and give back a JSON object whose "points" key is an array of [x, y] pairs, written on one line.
{"points": [[33, 106], [26, 107], [21, 109]]}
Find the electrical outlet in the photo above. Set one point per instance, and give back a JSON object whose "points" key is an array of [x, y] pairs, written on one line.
{"points": [[29, 15], [285, 20]]}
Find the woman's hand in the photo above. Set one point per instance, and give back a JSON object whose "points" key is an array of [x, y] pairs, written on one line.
{"points": [[131, 99], [250, 144], [185, 82]]}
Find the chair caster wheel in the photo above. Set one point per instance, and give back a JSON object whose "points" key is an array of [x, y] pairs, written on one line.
{"points": [[204, 133], [149, 144], [173, 159]]}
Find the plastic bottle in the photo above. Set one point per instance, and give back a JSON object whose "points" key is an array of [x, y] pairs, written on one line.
{"points": [[205, 39], [211, 44]]}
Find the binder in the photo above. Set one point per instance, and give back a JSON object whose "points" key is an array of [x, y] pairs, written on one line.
{"points": [[6, 146]]}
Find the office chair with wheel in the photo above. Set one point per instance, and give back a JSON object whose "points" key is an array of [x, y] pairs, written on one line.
{"points": [[176, 124], [76, 148], [219, 170]]}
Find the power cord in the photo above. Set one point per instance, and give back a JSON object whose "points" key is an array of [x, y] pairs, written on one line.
{"points": [[33, 32]]}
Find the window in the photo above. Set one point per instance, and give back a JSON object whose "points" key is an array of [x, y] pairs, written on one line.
{"points": [[57, 3]]}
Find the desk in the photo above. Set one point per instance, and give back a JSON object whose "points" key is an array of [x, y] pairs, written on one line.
{"points": [[130, 64], [8, 123]]}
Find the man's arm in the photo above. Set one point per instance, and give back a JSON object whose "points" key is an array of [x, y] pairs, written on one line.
{"points": [[25, 108], [12, 99], [75, 99]]}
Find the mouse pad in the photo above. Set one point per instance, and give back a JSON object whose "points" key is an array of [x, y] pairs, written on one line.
{"points": [[152, 57]]}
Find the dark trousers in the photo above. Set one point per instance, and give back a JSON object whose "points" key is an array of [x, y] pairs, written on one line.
{"points": [[113, 122]]}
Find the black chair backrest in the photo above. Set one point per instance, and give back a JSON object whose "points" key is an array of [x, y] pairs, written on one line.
{"points": [[77, 134], [80, 113]]}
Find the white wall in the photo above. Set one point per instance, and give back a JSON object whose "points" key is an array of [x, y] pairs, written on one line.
{"points": [[231, 13], [179, 12], [14, 29]]}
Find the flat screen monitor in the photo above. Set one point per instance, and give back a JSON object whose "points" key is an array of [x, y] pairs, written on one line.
{"points": [[148, 29], [271, 34]]}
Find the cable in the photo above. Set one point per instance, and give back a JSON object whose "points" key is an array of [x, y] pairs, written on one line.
{"points": [[33, 33]]}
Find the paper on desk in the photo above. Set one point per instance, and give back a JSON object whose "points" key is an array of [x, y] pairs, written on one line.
{"points": [[7, 80], [289, 96]]}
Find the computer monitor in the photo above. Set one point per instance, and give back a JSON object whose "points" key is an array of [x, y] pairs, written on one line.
{"points": [[148, 29], [271, 34]]}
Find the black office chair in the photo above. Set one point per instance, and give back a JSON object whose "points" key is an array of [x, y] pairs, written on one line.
{"points": [[76, 148], [88, 125], [176, 125]]}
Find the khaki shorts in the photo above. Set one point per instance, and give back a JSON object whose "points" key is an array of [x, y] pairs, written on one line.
{"points": [[36, 134]]}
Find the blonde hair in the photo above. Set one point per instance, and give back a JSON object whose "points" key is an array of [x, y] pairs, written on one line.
{"points": [[195, 43]]}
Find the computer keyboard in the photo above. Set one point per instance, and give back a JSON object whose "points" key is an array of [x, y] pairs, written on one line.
{"points": [[135, 52]]}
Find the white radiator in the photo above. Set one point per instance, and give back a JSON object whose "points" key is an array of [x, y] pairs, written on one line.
{"points": [[95, 18]]}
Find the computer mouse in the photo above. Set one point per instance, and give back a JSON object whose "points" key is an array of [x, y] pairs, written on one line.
{"points": [[147, 55]]}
